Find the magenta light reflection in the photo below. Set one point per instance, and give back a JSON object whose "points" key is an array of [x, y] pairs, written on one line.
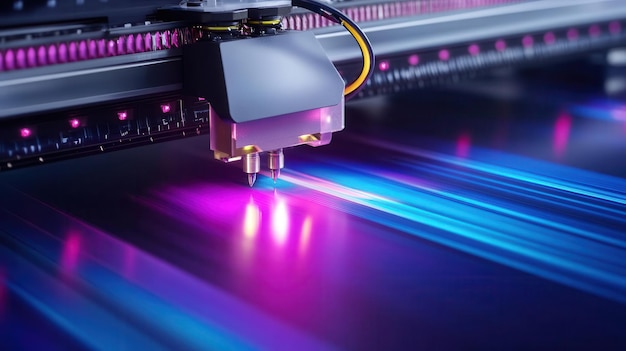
{"points": [[122, 115], [414, 60], [165, 108], [444, 55], [527, 41], [74, 123], [562, 128], [25, 132], [572, 34], [463, 144], [473, 49], [500, 45], [280, 221], [595, 30], [615, 27], [383, 65], [70, 252], [549, 38], [251, 220]]}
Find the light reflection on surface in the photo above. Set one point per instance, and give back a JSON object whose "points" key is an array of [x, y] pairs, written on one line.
{"points": [[562, 128], [71, 252]]}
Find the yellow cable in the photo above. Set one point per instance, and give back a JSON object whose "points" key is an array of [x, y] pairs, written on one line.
{"points": [[366, 60]]}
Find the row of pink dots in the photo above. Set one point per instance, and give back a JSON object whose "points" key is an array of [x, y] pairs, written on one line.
{"points": [[385, 11], [500, 45], [45, 55]]}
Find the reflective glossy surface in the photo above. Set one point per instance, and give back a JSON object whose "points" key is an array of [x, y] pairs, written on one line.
{"points": [[488, 216]]}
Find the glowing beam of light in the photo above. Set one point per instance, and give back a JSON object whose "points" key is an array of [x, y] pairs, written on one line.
{"points": [[476, 227], [280, 221]]}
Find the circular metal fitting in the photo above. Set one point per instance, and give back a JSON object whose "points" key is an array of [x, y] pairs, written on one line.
{"points": [[251, 163]]}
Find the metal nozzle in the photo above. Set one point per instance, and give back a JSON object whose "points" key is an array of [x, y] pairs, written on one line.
{"points": [[251, 166], [276, 161]]}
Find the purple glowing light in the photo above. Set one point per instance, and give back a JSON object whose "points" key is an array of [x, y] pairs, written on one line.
{"points": [[20, 58], [62, 52], [528, 41], [74, 123], [463, 144], [500, 45], [130, 44], [73, 52], [111, 48], [121, 45], [92, 48], [31, 57], [139, 43], [414, 60], [83, 53], [615, 27], [444, 55], [147, 42], [157, 41], [549, 38], [166, 39], [562, 128], [42, 56], [122, 115], [9, 60], [52, 54], [102, 48], [595, 30], [473, 49], [383, 65], [572, 34], [175, 41], [165, 108], [25, 132]]}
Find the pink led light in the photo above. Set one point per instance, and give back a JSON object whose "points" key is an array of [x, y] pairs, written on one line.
{"points": [[528, 41], [572, 34], [549, 38], [139, 43], [165, 108], [615, 27], [147, 42], [414, 60], [157, 40], [52, 54], [121, 45], [92, 48], [130, 44], [74, 123], [166, 39], [42, 55], [122, 115], [595, 30], [25, 132], [83, 53], [562, 128], [31, 57], [9, 60], [473, 49], [102, 48], [20, 58], [175, 41], [62, 53], [500, 45], [73, 52], [444, 55], [383, 65], [111, 48]]}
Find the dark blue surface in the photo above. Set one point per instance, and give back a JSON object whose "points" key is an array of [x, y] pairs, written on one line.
{"points": [[487, 218]]}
